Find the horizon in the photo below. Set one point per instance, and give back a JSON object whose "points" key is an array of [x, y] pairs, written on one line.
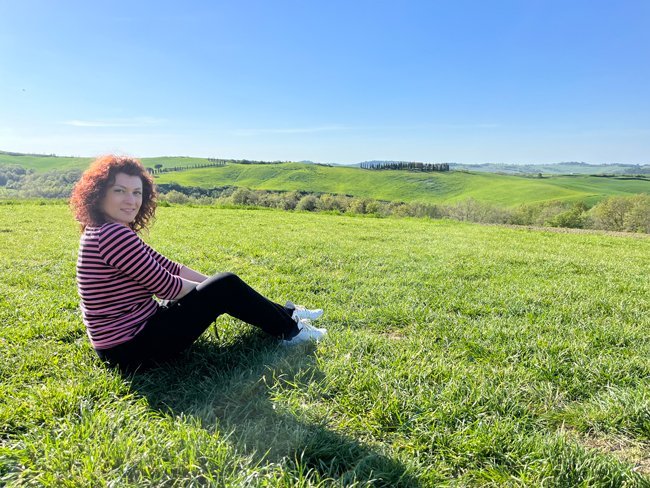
{"points": [[552, 163], [335, 83]]}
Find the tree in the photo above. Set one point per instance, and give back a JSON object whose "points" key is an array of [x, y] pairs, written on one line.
{"points": [[638, 217], [244, 196], [308, 202], [610, 213], [174, 196]]}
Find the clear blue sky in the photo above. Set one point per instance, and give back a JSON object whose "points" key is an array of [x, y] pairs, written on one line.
{"points": [[523, 81]]}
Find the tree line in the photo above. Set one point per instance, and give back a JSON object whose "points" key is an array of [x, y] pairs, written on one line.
{"points": [[212, 163], [405, 165], [26, 183], [621, 213], [159, 168], [250, 161]]}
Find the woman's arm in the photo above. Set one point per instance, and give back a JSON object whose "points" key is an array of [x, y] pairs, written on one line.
{"points": [[191, 275], [190, 279], [187, 287], [121, 248]]}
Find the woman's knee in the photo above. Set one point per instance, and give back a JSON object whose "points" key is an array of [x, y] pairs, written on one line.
{"points": [[222, 280], [226, 276]]}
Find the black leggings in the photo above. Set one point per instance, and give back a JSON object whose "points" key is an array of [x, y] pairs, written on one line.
{"points": [[176, 325]]}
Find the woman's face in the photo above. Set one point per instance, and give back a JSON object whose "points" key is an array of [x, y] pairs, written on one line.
{"points": [[123, 199]]}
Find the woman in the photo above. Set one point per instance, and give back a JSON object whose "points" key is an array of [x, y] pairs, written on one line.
{"points": [[118, 274]]}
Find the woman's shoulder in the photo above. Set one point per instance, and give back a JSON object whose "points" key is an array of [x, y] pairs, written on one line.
{"points": [[111, 236], [112, 229]]}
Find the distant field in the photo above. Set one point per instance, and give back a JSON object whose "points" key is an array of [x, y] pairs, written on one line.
{"points": [[45, 163], [449, 187], [458, 355], [560, 168]]}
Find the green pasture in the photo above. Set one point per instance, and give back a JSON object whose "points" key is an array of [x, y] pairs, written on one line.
{"points": [[457, 355], [558, 168], [45, 163], [448, 187], [49, 163]]}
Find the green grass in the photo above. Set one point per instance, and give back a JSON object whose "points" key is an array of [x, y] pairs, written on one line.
{"points": [[48, 163], [554, 169], [449, 187], [45, 163], [458, 355], [408, 186]]}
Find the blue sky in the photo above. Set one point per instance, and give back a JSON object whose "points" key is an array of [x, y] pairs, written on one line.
{"points": [[525, 81]]}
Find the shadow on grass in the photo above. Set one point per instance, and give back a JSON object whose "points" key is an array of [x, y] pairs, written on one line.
{"points": [[228, 388]]}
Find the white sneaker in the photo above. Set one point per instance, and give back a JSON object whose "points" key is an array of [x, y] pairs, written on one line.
{"points": [[300, 312], [307, 333]]}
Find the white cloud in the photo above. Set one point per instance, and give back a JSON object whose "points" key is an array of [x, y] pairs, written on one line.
{"points": [[128, 122], [295, 130], [370, 128]]}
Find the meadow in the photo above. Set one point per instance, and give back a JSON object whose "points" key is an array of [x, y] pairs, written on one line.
{"points": [[458, 355], [451, 187], [408, 186]]}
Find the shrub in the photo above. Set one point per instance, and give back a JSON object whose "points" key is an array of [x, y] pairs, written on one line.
{"points": [[637, 219], [418, 209], [288, 201], [398, 209], [374, 207], [338, 203], [468, 210], [244, 196], [610, 213], [174, 196], [11, 175], [203, 200], [357, 205], [308, 202], [264, 198], [575, 217], [538, 213], [50, 184]]}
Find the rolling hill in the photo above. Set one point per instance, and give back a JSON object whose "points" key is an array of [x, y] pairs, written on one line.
{"points": [[448, 187], [409, 186]]}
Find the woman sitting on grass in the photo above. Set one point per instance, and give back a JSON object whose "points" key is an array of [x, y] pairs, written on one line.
{"points": [[118, 274]]}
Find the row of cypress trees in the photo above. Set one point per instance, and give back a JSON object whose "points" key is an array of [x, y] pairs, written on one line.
{"points": [[405, 165], [158, 169]]}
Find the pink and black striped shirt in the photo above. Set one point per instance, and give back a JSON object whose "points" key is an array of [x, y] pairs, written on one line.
{"points": [[117, 276]]}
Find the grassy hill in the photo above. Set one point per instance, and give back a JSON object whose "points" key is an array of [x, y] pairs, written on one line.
{"points": [[449, 187], [42, 162], [458, 354], [408, 186], [48, 163], [558, 168]]}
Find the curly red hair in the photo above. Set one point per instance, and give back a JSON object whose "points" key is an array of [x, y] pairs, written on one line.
{"points": [[89, 192]]}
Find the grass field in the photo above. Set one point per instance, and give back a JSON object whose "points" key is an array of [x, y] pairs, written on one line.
{"points": [[458, 355], [554, 169], [49, 163], [451, 187], [45, 163]]}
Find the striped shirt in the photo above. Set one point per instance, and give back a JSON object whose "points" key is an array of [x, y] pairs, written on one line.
{"points": [[117, 276]]}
